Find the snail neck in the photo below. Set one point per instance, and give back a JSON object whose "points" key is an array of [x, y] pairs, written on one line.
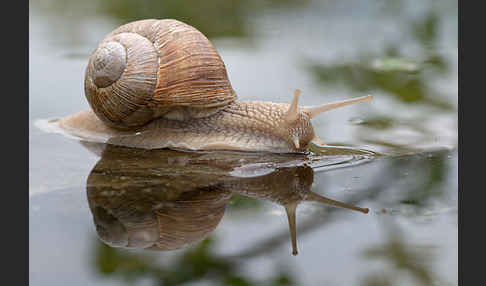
{"points": [[256, 115], [267, 113]]}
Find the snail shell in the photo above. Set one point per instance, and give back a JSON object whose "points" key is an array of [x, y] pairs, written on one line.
{"points": [[151, 68]]}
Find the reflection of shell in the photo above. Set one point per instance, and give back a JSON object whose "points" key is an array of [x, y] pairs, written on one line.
{"points": [[191, 220], [128, 216]]}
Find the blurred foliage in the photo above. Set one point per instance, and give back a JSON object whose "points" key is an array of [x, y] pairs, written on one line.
{"points": [[378, 279], [429, 176], [214, 18], [131, 267], [408, 80], [417, 181], [242, 203], [414, 260], [379, 122], [420, 180], [195, 264]]}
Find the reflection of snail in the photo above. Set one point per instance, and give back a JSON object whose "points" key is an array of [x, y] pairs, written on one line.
{"points": [[165, 200], [161, 83]]}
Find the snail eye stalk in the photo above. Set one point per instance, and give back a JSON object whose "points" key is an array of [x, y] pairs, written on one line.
{"points": [[292, 113], [313, 111]]}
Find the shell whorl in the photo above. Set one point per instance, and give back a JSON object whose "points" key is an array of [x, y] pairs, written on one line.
{"points": [[120, 80], [146, 69], [109, 62]]}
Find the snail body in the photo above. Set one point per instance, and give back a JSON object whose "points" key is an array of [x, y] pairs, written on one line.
{"points": [[161, 84]]}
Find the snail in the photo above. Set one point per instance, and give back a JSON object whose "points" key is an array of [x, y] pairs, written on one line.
{"points": [[165, 200], [161, 84]]}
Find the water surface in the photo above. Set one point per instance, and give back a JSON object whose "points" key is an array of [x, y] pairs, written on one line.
{"points": [[395, 156]]}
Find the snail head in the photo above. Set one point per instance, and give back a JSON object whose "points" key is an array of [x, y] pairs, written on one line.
{"points": [[297, 120]]}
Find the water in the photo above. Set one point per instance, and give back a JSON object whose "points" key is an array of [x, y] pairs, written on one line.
{"points": [[395, 156]]}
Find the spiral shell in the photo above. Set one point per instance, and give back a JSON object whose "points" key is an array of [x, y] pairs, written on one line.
{"points": [[151, 68]]}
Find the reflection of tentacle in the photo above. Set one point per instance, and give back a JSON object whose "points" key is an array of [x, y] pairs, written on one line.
{"points": [[291, 209], [313, 197]]}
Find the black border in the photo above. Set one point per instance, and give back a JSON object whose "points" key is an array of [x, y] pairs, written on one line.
{"points": [[15, 149]]}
